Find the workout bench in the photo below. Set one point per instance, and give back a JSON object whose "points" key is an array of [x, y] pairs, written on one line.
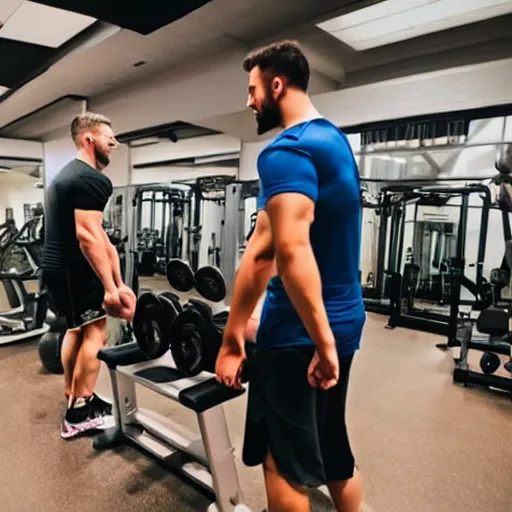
{"points": [[211, 462]]}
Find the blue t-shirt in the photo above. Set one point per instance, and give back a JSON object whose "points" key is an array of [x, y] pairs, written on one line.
{"points": [[314, 158]]}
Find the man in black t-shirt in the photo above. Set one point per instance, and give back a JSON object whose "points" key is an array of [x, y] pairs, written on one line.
{"points": [[81, 270]]}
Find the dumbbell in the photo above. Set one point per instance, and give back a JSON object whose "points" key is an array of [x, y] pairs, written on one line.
{"points": [[152, 322], [208, 280], [196, 338]]}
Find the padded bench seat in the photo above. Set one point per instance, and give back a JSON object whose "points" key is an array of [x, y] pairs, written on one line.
{"points": [[122, 355], [198, 397]]}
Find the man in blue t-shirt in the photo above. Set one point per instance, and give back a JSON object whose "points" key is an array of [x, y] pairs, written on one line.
{"points": [[308, 227]]}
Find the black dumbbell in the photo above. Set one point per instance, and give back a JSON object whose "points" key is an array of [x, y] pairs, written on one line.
{"points": [[152, 322], [196, 338]]}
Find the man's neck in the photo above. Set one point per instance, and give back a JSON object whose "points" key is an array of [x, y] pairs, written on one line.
{"points": [[297, 108], [89, 159]]}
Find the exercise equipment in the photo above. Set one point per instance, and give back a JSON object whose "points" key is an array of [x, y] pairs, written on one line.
{"points": [[179, 275], [444, 256], [27, 317], [210, 283], [493, 320], [489, 362], [156, 246], [50, 345], [196, 338], [154, 315], [7, 231], [209, 458], [206, 460], [20, 253]]}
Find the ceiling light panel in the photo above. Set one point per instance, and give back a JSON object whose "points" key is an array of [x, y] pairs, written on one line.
{"points": [[398, 20], [7, 9], [43, 25]]}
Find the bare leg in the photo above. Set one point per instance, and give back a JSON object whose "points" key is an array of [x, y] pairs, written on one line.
{"points": [[281, 495], [69, 351], [347, 495], [87, 367]]}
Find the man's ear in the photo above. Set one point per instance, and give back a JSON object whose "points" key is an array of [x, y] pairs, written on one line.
{"points": [[277, 87]]}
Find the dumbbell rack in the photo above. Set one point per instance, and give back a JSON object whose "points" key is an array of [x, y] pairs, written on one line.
{"points": [[210, 458]]}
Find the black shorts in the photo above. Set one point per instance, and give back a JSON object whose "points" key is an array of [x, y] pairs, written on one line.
{"points": [[303, 427], [75, 294]]}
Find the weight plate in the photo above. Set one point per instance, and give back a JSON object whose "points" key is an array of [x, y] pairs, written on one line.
{"points": [[170, 309], [195, 342], [173, 298], [151, 325], [179, 275], [210, 284], [202, 307], [489, 362]]}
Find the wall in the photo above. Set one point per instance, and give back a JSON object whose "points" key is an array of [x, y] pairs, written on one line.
{"points": [[248, 159], [20, 148], [187, 148], [57, 153], [17, 189], [119, 168], [174, 173], [458, 88]]}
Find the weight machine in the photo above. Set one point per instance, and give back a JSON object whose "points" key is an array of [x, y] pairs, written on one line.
{"points": [[404, 313], [493, 321], [379, 223], [156, 247], [240, 217], [210, 193]]}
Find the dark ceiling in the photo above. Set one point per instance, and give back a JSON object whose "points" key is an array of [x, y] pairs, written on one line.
{"points": [[143, 17]]}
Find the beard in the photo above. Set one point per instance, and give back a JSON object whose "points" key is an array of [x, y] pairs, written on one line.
{"points": [[102, 158], [270, 116]]}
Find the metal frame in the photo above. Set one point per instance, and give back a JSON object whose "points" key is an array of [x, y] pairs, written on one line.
{"points": [[438, 323], [374, 298], [462, 373]]}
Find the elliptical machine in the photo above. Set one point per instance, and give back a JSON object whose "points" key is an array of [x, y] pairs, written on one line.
{"points": [[27, 317]]}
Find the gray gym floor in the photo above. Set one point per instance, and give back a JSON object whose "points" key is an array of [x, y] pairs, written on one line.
{"points": [[422, 443]]}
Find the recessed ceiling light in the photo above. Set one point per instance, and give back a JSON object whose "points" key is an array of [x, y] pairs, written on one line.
{"points": [[391, 21], [44, 25]]}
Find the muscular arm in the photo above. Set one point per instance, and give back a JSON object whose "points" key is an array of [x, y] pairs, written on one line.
{"points": [[114, 258], [256, 268], [93, 244], [291, 215]]}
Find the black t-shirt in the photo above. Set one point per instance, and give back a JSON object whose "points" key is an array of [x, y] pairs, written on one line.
{"points": [[78, 186]]}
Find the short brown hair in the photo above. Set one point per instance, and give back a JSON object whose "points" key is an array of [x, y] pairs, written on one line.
{"points": [[85, 121], [282, 58]]}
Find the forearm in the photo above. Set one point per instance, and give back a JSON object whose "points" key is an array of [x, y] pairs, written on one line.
{"points": [[301, 279], [116, 265], [250, 282], [97, 254]]}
